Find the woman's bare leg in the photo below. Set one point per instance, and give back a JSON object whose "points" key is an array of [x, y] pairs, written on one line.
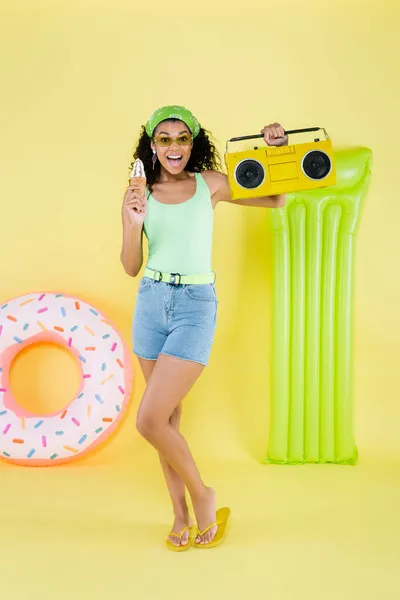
{"points": [[169, 383], [175, 484]]}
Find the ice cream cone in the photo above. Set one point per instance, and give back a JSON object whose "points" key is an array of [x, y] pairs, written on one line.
{"points": [[137, 178]]}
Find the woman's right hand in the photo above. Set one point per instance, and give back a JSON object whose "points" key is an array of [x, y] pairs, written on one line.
{"points": [[134, 206]]}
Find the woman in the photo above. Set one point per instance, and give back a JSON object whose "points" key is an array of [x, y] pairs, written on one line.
{"points": [[176, 306]]}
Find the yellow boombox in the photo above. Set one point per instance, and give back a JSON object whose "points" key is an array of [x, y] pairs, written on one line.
{"points": [[272, 170]]}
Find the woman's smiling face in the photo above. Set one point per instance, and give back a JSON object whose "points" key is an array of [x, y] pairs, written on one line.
{"points": [[173, 157]]}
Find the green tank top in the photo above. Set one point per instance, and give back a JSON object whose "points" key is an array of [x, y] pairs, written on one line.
{"points": [[180, 235]]}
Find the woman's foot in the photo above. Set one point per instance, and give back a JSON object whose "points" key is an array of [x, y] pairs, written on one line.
{"points": [[205, 508], [179, 524]]}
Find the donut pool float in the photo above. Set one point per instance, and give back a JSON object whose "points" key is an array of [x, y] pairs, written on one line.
{"points": [[106, 377]]}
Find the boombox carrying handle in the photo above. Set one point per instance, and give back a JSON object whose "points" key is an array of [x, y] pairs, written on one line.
{"points": [[290, 132]]}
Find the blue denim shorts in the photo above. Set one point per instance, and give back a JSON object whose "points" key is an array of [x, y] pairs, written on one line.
{"points": [[177, 320]]}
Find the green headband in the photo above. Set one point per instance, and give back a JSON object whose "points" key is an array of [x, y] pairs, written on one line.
{"points": [[172, 112]]}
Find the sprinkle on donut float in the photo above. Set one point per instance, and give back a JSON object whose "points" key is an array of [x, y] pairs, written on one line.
{"points": [[105, 365]]}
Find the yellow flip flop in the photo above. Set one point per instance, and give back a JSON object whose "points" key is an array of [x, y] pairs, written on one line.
{"points": [[179, 548], [223, 515]]}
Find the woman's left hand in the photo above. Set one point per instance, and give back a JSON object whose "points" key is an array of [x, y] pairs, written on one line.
{"points": [[274, 135]]}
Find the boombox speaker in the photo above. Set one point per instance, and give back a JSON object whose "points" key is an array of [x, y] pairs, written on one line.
{"points": [[273, 170]]}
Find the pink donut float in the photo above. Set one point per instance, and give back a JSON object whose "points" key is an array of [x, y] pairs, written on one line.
{"points": [[106, 370]]}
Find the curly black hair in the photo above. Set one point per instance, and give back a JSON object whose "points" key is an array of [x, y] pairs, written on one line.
{"points": [[204, 156]]}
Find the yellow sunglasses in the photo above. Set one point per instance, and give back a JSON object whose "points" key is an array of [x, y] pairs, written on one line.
{"points": [[166, 140]]}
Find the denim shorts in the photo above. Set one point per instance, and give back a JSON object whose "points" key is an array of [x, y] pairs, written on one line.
{"points": [[177, 320]]}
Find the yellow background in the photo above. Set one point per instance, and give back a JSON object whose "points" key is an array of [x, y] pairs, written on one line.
{"points": [[78, 80]]}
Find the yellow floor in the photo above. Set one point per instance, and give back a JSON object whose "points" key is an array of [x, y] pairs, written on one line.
{"points": [[95, 530]]}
